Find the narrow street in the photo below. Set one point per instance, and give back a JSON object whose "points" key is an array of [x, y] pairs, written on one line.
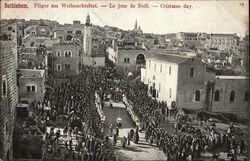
{"points": [[140, 151]]}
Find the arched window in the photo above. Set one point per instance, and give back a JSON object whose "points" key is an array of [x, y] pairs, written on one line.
{"points": [[70, 53], [140, 59], [217, 96], [125, 60], [170, 92], [232, 96], [197, 95], [192, 72], [128, 60], [58, 52], [66, 53], [246, 97]]}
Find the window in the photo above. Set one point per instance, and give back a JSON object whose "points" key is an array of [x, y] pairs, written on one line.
{"points": [[28, 88], [197, 95], [32, 44], [149, 64], [69, 32], [58, 53], [169, 70], [31, 88], [170, 92], [58, 67], [217, 96], [33, 32], [246, 97], [155, 66], [4, 86], [161, 68], [42, 31], [128, 60], [125, 60], [66, 53], [232, 96], [192, 72], [67, 66], [70, 53]]}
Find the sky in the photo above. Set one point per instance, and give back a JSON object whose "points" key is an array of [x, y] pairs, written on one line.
{"points": [[204, 16]]}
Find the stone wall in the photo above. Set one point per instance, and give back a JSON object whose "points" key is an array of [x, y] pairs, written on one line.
{"points": [[8, 102], [240, 104], [31, 78]]}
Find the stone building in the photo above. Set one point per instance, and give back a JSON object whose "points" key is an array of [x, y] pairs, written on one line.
{"points": [[69, 31], [34, 41], [65, 60], [8, 88], [92, 50], [29, 58], [226, 42], [93, 53], [222, 42], [31, 84], [187, 82], [176, 78], [192, 40], [38, 30], [132, 57], [230, 94]]}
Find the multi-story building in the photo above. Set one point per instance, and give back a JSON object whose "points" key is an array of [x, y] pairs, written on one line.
{"points": [[65, 60], [69, 31], [226, 42], [8, 87], [128, 58], [222, 42], [192, 40], [186, 81], [176, 78], [92, 49], [31, 84], [39, 31], [29, 58]]}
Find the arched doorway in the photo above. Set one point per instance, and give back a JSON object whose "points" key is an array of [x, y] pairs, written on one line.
{"points": [[140, 59], [69, 37]]}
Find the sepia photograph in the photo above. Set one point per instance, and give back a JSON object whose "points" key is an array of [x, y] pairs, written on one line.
{"points": [[124, 80]]}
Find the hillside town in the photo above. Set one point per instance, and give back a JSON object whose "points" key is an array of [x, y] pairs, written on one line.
{"points": [[83, 92]]}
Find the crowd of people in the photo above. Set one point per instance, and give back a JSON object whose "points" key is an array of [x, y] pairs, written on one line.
{"points": [[72, 103], [179, 146]]}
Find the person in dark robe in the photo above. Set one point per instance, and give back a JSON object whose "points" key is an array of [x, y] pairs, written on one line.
{"points": [[117, 131], [131, 133], [136, 136], [124, 142], [128, 138], [115, 139]]}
